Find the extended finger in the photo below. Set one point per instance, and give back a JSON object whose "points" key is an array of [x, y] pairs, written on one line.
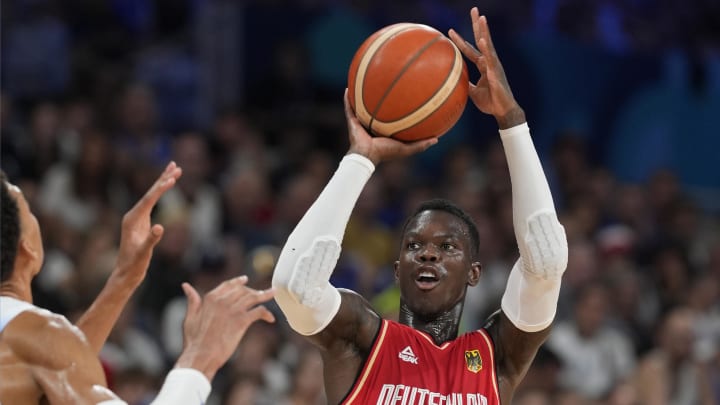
{"points": [[411, 148], [165, 182], [193, 298], [260, 312], [489, 63], [477, 29], [485, 30], [482, 65], [235, 282], [465, 47], [250, 297], [230, 286], [349, 114]]}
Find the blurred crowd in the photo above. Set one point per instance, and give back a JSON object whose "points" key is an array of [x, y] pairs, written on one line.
{"points": [[246, 96]]}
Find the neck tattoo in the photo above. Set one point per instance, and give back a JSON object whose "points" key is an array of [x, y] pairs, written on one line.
{"points": [[442, 327]]}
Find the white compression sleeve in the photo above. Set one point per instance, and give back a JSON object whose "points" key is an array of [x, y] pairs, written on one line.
{"points": [[301, 277], [530, 299], [182, 386]]}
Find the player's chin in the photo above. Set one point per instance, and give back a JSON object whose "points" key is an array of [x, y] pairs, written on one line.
{"points": [[425, 308]]}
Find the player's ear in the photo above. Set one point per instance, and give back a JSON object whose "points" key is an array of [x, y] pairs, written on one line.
{"points": [[474, 273], [27, 256], [27, 249], [396, 266]]}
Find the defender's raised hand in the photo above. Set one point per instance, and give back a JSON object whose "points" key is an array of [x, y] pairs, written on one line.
{"points": [[139, 236], [491, 94], [215, 324], [380, 148]]}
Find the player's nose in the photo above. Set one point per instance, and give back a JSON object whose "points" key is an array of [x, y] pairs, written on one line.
{"points": [[429, 253]]}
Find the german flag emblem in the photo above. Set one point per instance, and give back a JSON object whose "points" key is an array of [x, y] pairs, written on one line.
{"points": [[473, 360]]}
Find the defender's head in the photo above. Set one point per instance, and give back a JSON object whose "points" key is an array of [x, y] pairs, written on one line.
{"points": [[21, 249]]}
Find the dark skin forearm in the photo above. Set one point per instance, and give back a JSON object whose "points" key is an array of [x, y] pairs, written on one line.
{"points": [[513, 117]]}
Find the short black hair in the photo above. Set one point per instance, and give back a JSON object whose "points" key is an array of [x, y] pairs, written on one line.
{"points": [[441, 204], [10, 228]]}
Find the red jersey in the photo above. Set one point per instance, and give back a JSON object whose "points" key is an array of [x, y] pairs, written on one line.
{"points": [[405, 367]]}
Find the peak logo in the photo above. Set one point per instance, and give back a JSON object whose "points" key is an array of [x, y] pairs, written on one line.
{"points": [[407, 355]]}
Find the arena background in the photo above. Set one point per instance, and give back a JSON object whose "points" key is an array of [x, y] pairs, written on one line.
{"points": [[622, 97]]}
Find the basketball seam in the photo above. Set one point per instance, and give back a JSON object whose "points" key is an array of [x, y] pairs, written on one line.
{"points": [[361, 110], [437, 90], [430, 106], [399, 75]]}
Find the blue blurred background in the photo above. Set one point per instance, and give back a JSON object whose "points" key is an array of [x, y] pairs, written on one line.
{"points": [[622, 97]]}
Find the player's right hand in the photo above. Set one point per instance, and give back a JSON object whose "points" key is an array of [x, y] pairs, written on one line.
{"points": [[380, 148], [491, 94]]}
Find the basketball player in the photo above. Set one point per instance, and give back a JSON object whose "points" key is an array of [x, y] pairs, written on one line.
{"points": [[421, 359], [43, 356]]}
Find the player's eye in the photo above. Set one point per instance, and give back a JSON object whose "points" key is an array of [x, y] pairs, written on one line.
{"points": [[447, 246], [413, 246]]}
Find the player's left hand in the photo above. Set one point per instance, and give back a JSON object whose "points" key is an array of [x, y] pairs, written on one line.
{"points": [[491, 94], [138, 235]]}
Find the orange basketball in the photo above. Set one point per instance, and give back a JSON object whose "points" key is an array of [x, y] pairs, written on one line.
{"points": [[408, 81]]}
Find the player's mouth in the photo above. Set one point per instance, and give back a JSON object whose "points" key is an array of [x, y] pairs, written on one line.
{"points": [[427, 278]]}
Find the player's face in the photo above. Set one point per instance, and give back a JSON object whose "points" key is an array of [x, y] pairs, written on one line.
{"points": [[29, 229], [435, 264]]}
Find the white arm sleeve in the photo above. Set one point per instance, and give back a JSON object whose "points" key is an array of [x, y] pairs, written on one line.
{"points": [[182, 386], [530, 299], [301, 277]]}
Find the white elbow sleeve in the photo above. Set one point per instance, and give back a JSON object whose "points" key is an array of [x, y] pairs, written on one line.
{"points": [[306, 296], [533, 288], [312, 271], [544, 249]]}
